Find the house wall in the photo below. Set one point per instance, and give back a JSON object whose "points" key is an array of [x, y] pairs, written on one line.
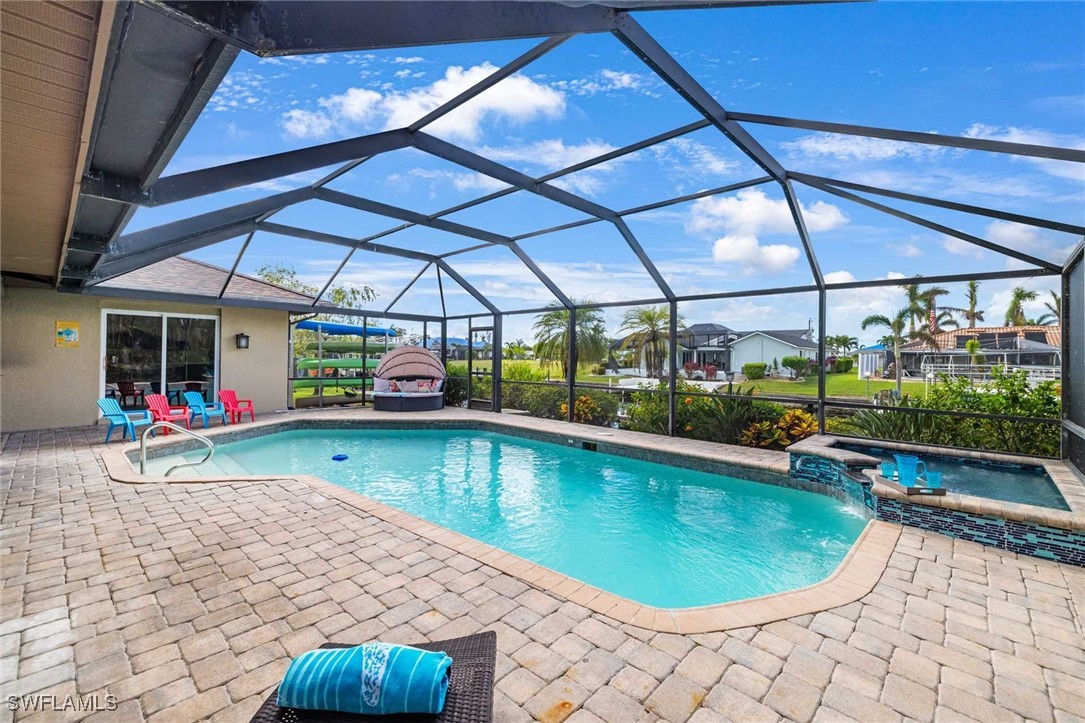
{"points": [[757, 348], [43, 386]]}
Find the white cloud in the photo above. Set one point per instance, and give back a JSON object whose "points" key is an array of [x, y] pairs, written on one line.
{"points": [[906, 249], [960, 247], [465, 181], [609, 81], [750, 212], [691, 157], [857, 148], [1031, 240], [400, 60], [751, 256], [1037, 137], [552, 154], [306, 123], [516, 99]]}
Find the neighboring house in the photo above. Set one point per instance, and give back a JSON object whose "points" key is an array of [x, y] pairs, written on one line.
{"points": [[1036, 348], [765, 346], [456, 348], [169, 338], [706, 344]]}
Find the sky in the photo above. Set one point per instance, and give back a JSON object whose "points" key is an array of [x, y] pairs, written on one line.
{"points": [[1006, 70]]}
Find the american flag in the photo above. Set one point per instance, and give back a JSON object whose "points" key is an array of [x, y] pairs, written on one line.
{"points": [[932, 326]]}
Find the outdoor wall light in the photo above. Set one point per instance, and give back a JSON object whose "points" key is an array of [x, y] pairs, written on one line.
{"points": [[242, 341]]}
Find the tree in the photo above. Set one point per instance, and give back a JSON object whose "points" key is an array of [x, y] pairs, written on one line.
{"points": [[649, 330], [919, 304], [972, 313], [895, 325], [552, 336], [1015, 312], [348, 297], [1053, 315], [972, 346]]}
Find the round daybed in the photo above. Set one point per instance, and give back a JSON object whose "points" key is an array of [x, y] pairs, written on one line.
{"points": [[408, 379]]}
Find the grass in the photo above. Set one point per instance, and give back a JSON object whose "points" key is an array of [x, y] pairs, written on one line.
{"points": [[836, 385]]}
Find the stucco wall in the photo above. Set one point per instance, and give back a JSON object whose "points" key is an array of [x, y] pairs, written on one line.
{"points": [[43, 386], [757, 348]]}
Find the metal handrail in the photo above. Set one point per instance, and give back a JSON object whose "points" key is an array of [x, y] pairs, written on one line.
{"points": [[182, 430]]}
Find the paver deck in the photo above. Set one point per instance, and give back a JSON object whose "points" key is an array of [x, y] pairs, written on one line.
{"points": [[187, 601]]}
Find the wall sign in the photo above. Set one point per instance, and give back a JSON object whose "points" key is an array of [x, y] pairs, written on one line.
{"points": [[67, 333]]}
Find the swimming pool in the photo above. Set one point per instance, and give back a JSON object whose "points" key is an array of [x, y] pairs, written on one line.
{"points": [[656, 534], [1006, 482]]}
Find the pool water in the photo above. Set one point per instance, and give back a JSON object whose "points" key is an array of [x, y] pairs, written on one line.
{"points": [[1009, 483], [656, 534]]}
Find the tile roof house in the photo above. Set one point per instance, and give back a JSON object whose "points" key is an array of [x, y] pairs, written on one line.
{"points": [[1031, 347]]}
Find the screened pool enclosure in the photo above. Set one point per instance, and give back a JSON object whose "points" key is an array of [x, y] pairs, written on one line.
{"points": [[149, 109]]}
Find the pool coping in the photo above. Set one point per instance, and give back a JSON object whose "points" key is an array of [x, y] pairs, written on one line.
{"points": [[852, 579], [1070, 486]]}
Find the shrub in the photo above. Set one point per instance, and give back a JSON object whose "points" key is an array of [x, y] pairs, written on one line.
{"points": [[587, 409], [455, 384], [797, 365], [710, 372], [690, 367], [754, 370], [1008, 394], [791, 427], [843, 365]]}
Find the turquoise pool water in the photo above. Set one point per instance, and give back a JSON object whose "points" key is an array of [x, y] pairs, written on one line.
{"points": [[656, 534], [1006, 482]]}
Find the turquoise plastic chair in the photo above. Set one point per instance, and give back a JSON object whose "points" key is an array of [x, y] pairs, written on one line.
{"points": [[117, 417], [197, 405], [909, 468]]}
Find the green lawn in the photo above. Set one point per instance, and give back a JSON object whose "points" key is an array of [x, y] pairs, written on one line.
{"points": [[836, 385]]}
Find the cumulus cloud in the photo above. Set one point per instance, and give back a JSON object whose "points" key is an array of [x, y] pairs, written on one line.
{"points": [[461, 181], [752, 256], [750, 212], [1045, 244], [516, 98], [960, 247]]}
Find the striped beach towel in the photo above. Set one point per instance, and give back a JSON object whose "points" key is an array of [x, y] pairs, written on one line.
{"points": [[372, 679]]}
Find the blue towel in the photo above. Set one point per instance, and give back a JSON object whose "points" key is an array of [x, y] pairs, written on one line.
{"points": [[373, 678]]}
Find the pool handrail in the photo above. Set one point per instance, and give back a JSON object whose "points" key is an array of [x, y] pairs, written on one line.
{"points": [[170, 425]]}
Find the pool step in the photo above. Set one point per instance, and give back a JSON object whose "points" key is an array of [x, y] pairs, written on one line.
{"points": [[227, 464]]}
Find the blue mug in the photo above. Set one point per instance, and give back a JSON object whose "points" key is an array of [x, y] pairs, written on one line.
{"points": [[888, 470]]}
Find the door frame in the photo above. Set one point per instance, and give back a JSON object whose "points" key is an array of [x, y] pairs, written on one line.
{"points": [[165, 316]]}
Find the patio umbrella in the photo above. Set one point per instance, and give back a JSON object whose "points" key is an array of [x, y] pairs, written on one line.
{"points": [[410, 361]]}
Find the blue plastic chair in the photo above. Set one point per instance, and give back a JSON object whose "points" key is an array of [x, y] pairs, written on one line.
{"points": [[117, 417], [909, 468], [197, 405]]}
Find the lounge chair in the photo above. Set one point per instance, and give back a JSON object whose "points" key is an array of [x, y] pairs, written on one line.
{"points": [[198, 406], [236, 407], [128, 389], [161, 410], [470, 696], [128, 421]]}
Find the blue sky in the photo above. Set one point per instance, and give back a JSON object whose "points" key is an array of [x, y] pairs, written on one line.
{"points": [[1012, 71]]}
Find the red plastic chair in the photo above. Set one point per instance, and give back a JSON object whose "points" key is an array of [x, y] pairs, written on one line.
{"points": [[162, 411], [128, 389], [236, 407]]}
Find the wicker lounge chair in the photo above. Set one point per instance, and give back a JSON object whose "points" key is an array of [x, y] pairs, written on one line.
{"points": [[406, 365], [470, 696]]}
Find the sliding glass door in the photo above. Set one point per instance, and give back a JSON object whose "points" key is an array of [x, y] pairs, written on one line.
{"points": [[152, 353]]}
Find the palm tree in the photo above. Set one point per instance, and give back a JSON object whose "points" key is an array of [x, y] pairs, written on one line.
{"points": [[919, 303], [849, 343], [972, 313], [895, 325], [649, 330], [552, 336], [1015, 312], [1053, 315]]}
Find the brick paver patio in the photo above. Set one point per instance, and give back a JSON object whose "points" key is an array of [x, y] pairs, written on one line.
{"points": [[187, 601]]}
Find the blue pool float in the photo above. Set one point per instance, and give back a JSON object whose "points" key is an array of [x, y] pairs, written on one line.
{"points": [[340, 457]]}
